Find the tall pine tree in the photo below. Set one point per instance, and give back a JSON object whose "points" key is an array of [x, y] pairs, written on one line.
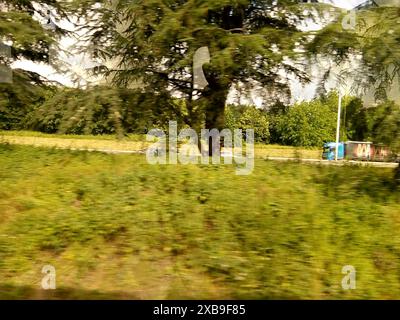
{"points": [[153, 43], [23, 36]]}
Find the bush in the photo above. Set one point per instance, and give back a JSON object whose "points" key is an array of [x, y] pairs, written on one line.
{"points": [[384, 124], [275, 111], [76, 112], [98, 110], [356, 123], [248, 117], [19, 98], [307, 124]]}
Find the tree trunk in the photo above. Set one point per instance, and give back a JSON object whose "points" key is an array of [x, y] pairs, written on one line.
{"points": [[215, 96]]}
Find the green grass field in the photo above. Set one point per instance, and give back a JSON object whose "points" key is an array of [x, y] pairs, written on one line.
{"points": [[132, 143], [114, 226]]}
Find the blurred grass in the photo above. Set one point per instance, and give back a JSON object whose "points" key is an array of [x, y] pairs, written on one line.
{"points": [[101, 142], [132, 142], [116, 227], [272, 150], [24, 133]]}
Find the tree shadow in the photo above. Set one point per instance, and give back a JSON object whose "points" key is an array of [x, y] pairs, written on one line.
{"points": [[12, 292], [376, 183]]}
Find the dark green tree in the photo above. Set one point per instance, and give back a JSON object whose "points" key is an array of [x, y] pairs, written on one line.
{"points": [[99, 110], [381, 61], [152, 43], [307, 124], [23, 36], [19, 99], [375, 42], [355, 119], [248, 117]]}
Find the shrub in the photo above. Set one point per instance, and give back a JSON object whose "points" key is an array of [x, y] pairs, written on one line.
{"points": [[18, 99], [307, 124], [248, 117], [384, 124], [98, 110]]}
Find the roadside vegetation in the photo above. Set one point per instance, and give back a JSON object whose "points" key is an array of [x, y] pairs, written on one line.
{"points": [[132, 143], [117, 227], [128, 115]]}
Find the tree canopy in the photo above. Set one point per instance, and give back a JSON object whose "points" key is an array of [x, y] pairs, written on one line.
{"points": [[251, 43], [372, 47], [23, 36]]}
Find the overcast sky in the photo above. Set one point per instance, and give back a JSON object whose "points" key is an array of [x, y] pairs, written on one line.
{"points": [[348, 4], [76, 62]]}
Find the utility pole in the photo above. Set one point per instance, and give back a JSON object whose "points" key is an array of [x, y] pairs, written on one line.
{"points": [[338, 126]]}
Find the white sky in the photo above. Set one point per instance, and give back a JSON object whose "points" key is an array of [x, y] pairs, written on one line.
{"points": [[348, 4], [77, 61]]}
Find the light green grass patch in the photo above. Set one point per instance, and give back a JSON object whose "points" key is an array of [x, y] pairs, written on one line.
{"points": [[117, 227]]}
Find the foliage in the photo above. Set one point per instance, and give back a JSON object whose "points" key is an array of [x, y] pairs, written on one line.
{"points": [[189, 231], [356, 120], [24, 37], [27, 37], [308, 124], [99, 110], [275, 111], [372, 48], [294, 125], [354, 123], [384, 122], [248, 117], [107, 110], [19, 98], [381, 48], [153, 44]]}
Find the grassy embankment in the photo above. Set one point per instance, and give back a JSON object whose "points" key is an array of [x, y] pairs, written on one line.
{"points": [[114, 226]]}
